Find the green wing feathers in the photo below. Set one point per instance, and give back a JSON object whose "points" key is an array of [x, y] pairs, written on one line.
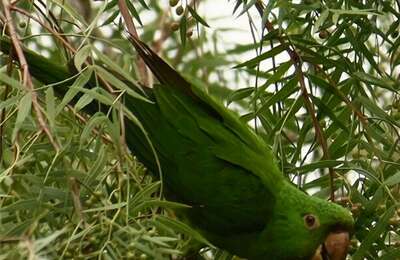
{"points": [[236, 143], [222, 193]]}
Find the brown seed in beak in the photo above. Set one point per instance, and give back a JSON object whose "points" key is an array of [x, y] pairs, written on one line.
{"points": [[336, 245]]}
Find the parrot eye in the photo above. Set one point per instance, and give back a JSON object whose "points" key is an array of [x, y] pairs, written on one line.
{"points": [[311, 221]]}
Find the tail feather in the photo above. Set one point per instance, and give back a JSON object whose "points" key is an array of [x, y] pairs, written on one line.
{"points": [[163, 72]]}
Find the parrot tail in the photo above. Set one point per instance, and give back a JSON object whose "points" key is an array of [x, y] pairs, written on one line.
{"points": [[162, 71]]}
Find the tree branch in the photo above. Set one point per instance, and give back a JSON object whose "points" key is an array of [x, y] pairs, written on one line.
{"points": [[297, 62], [26, 78], [142, 70]]}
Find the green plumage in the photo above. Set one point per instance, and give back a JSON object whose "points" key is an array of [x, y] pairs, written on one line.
{"points": [[215, 163]]}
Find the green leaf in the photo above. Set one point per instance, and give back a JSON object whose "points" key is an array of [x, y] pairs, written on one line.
{"points": [[113, 80], [239, 94], [354, 11], [374, 234], [316, 165], [116, 68], [288, 89], [81, 56], [362, 50], [157, 203], [70, 10], [96, 120], [370, 79], [320, 21], [324, 109], [83, 101], [373, 108], [24, 108], [111, 4], [183, 228], [80, 82], [392, 253], [143, 3], [51, 107], [182, 30], [277, 75], [11, 81], [9, 102], [247, 6], [145, 193], [106, 208], [97, 166], [23, 204], [133, 11], [197, 16], [47, 240], [392, 180], [111, 18], [266, 55]]}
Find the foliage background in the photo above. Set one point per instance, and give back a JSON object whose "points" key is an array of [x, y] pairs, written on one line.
{"points": [[319, 83]]}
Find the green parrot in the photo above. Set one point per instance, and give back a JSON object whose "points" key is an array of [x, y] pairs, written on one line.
{"points": [[215, 163]]}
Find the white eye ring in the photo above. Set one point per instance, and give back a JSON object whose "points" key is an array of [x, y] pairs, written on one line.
{"points": [[311, 221]]}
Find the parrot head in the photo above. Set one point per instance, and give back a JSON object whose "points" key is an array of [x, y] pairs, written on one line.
{"points": [[305, 227]]}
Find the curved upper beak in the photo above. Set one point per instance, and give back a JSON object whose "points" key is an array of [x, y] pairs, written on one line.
{"points": [[334, 248]]}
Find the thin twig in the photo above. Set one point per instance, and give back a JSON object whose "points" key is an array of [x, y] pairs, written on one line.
{"points": [[27, 79], [165, 33], [63, 41], [48, 28], [297, 62], [358, 113], [142, 70], [106, 138], [318, 130]]}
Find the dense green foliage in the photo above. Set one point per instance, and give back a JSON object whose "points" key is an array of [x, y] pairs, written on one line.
{"points": [[329, 107]]}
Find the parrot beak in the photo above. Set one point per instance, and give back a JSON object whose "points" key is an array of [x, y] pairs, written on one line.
{"points": [[334, 248]]}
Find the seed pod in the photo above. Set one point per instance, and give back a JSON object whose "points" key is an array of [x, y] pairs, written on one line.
{"points": [[179, 10], [93, 240], [98, 194], [132, 245], [173, 3], [130, 255], [323, 34], [174, 26]]}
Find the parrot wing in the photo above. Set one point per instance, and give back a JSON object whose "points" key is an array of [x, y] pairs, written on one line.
{"points": [[213, 160], [209, 158]]}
